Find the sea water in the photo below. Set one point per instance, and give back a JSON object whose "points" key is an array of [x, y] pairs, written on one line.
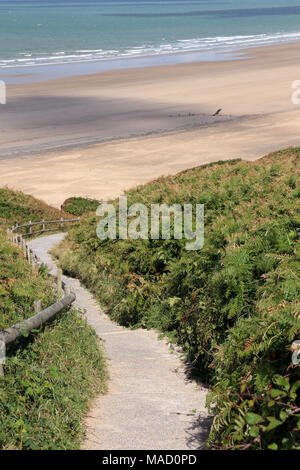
{"points": [[39, 33]]}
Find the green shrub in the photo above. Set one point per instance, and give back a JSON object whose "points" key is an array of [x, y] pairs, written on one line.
{"points": [[234, 305], [79, 205], [244, 420]]}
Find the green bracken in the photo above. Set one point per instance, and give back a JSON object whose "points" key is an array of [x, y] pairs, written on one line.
{"points": [[80, 205], [233, 306]]}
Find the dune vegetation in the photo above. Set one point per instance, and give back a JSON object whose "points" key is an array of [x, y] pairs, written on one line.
{"points": [[17, 207], [52, 373], [80, 205], [233, 306]]}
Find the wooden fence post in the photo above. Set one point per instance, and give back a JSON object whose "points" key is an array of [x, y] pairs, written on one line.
{"points": [[59, 283], [2, 357], [28, 253], [37, 305], [33, 264], [67, 290], [24, 246]]}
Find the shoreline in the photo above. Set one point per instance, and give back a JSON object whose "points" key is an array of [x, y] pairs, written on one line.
{"points": [[44, 72], [118, 129], [29, 73]]}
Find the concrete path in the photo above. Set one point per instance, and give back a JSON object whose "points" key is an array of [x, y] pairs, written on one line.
{"points": [[150, 403]]}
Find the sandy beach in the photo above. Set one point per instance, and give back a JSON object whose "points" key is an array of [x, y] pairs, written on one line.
{"points": [[100, 134]]}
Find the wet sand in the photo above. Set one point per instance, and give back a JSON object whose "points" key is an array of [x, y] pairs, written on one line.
{"points": [[108, 132]]}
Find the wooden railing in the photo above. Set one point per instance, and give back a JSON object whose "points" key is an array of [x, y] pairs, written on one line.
{"points": [[66, 297], [17, 331], [60, 224]]}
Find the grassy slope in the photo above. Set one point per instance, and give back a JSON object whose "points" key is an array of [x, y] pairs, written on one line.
{"points": [[234, 305], [50, 375], [17, 207]]}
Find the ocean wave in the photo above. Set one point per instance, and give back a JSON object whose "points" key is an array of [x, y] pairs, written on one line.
{"points": [[218, 43]]}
